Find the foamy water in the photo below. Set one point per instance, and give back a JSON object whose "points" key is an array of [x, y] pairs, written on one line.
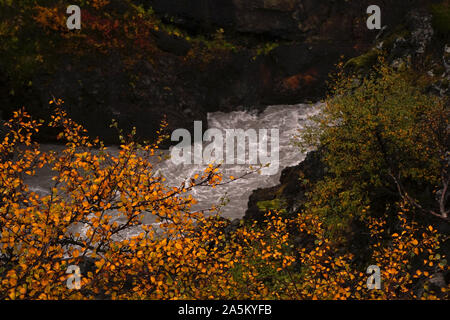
{"points": [[288, 119]]}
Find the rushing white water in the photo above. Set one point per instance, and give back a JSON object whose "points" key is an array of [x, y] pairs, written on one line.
{"points": [[289, 119]]}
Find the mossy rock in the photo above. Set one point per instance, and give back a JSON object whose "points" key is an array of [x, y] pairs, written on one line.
{"points": [[400, 31], [364, 61], [272, 205], [441, 17]]}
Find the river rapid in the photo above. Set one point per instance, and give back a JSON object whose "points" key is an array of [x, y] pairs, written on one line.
{"points": [[288, 119]]}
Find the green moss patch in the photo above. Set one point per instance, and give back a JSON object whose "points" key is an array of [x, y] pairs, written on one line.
{"points": [[441, 17], [364, 61], [272, 205]]}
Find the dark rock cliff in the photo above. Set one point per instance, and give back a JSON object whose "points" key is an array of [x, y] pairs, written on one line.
{"points": [[309, 38], [290, 194], [416, 40]]}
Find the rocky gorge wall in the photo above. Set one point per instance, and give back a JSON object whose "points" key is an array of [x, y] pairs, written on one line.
{"points": [[185, 79], [418, 42]]}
